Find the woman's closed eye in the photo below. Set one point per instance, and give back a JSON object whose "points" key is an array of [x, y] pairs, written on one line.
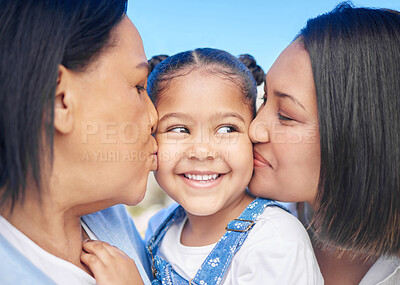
{"points": [[140, 89], [284, 118], [264, 98]]}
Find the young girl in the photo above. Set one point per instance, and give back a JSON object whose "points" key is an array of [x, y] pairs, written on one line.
{"points": [[219, 233]]}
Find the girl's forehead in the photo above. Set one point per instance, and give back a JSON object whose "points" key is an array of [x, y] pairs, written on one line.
{"points": [[199, 85], [202, 96]]}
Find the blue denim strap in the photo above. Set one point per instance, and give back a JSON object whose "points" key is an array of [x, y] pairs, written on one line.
{"points": [[154, 243], [166, 275], [217, 262]]}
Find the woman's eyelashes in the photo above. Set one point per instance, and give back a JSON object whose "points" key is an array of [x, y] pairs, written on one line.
{"points": [[140, 88], [264, 98], [284, 118], [281, 117]]}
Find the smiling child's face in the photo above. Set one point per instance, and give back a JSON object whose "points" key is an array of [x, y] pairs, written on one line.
{"points": [[205, 154]]}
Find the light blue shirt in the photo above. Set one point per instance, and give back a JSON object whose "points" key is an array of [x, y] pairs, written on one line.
{"points": [[112, 225]]}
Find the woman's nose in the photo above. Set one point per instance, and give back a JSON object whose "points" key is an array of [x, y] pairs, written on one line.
{"points": [[259, 131], [153, 116]]}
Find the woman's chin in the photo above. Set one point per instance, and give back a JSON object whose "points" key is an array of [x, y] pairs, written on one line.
{"points": [[133, 193], [260, 190]]}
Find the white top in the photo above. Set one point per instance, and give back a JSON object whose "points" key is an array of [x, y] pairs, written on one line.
{"points": [[385, 271], [277, 251], [60, 270]]}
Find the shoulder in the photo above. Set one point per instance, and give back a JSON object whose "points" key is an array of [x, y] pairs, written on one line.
{"points": [[385, 271], [278, 223], [17, 269], [156, 220], [279, 244], [277, 229], [115, 217]]}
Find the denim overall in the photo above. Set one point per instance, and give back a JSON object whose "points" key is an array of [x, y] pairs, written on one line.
{"points": [[217, 262]]}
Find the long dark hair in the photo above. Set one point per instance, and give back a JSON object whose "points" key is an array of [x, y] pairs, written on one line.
{"points": [[36, 36], [355, 57], [214, 61]]}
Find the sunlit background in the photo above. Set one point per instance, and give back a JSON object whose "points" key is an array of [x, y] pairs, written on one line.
{"points": [[260, 28]]}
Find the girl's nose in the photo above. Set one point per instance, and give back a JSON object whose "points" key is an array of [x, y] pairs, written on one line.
{"points": [[202, 147], [201, 155], [201, 151], [259, 131]]}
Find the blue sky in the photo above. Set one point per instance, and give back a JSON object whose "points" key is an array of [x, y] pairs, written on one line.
{"points": [[262, 28]]}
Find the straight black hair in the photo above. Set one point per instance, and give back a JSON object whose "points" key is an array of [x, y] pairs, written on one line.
{"points": [[36, 36], [213, 61], [355, 57]]}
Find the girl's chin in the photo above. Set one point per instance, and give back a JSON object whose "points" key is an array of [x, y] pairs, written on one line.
{"points": [[201, 210]]}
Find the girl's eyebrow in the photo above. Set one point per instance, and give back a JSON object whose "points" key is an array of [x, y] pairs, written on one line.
{"points": [[227, 115], [174, 115], [184, 116]]}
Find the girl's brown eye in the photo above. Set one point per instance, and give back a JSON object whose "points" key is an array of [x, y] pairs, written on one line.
{"points": [[227, 129], [179, 130]]}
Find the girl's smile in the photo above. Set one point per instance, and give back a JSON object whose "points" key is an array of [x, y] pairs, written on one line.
{"points": [[197, 179], [205, 153]]}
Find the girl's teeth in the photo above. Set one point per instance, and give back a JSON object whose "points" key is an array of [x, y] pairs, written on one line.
{"points": [[205, 178]]}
